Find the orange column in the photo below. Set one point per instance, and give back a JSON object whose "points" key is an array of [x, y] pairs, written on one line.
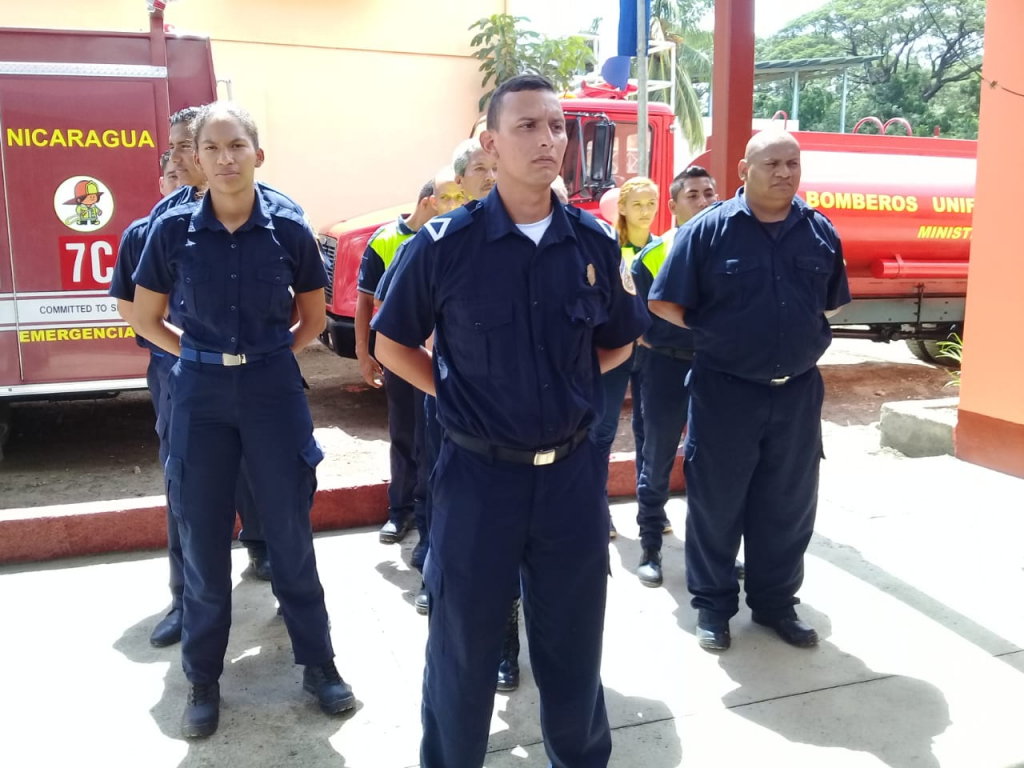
{"points": [[732, 99], [991, 421]]}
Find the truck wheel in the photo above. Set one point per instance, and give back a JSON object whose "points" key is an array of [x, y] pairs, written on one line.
{"points": [[928, 351]]}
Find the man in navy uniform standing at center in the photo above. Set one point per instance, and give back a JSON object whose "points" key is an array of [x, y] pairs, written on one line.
{"points": [[529, 308]]}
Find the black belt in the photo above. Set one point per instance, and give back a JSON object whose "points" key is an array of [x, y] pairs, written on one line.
{"points": [[516, 455], [675, 354], [218, 358]]}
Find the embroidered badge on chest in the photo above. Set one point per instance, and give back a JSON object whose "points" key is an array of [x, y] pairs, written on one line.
{"points": [[627, 278]]}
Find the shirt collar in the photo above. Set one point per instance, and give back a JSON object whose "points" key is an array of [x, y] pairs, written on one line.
{"points": [[797, 209], [403, 228], [499, 224], [203, 216]]}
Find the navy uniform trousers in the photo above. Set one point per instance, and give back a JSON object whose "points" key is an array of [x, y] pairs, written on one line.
{"points": [[752, 460], [222, 415], [492, 523], [407, 489], [614, 383], [430, 448], [251, 534], [666, 400]]}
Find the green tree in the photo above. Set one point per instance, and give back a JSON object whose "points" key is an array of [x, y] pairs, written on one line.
{"points": [[505, 48], [929, 57], [676, 21]]}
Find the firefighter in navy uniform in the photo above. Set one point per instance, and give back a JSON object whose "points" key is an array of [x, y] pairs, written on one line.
{"points": [[241, 259], [527, 307], [177, 168], [754, 277]]}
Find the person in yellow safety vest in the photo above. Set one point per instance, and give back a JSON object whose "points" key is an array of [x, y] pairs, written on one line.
{"points": [[407, 486], [691, 191]]}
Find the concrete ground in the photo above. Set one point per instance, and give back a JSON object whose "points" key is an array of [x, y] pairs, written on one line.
{"points": [[914, 580]]}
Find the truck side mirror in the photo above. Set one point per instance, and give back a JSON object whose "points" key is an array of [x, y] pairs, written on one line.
{"points": [[600, 171]]}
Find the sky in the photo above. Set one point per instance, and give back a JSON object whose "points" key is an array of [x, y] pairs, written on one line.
{"points": [[568, 16]]}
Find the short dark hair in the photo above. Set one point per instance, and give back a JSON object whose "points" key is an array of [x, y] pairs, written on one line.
{"points": [[425, 191], [165, 158], [220, 108], [516, 84], [693, 172], [186, 116]]}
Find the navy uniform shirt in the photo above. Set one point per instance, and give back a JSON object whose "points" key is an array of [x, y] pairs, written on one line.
{"points": [[128, 254], [755, 301], [233, 291], [516, 323], [380, 254], [646, 266], [187, 194]]}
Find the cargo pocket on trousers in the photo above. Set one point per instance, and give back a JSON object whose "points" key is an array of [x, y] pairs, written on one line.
{"points": [[174, 471], [311, 455], [437, 633]]}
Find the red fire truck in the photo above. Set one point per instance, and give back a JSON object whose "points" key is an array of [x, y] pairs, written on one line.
{"points": [[83, 118], [902, 205]]}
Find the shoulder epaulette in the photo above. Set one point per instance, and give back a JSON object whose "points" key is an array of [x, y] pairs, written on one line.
{"points": [[592, 222], [441, 226], [280, 199]]}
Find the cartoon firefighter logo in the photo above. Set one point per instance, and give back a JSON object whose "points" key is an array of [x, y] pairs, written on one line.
{"points": [[83, 203]]}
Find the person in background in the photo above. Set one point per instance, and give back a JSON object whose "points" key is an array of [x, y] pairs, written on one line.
{"points": [[475, 170], [406, 489], [755, 278], [242, 260], [638, 205]]}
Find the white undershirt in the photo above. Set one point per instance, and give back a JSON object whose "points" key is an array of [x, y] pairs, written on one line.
{"points": [[536, 230]]}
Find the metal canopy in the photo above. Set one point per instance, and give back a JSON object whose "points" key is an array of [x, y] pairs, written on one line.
{"points": [[784, 69]]}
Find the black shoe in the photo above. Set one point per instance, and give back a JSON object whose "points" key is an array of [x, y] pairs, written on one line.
{"points": [[612, 533], [713, 633], [666, 526], [259, 561], [419, 553], [202, 711], [789, 628], [422, 601], [392, 532], [508, 668], [741, 571], [649, 570], [168, 631], [333, 694]]}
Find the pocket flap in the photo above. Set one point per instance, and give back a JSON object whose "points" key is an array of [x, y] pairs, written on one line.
{"points": [[312, 453], [814, 264], [275, 275], [587, 308], [196, 274], [481, 315], [735, 266]]}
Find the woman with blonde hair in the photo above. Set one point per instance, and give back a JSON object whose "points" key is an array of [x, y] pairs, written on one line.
{"points": [[637, 209]]}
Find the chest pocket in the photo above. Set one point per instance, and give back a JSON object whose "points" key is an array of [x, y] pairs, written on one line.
{"points": [[813, 272], [585, 311], [274, 289], [196, 289], [735, 280], [481, 337]]}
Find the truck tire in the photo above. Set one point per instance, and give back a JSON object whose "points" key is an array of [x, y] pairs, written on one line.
{"points": [[928, 351]]}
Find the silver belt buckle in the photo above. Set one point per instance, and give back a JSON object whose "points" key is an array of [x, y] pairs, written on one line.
{"points": [[231, 360], [780, 381], [543, 458]]}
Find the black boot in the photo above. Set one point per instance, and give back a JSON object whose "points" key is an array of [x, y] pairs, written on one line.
{"points": [[332, 693], [259, 561], [202, 711], [508, 669], [168, 631], [649, 570]]}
